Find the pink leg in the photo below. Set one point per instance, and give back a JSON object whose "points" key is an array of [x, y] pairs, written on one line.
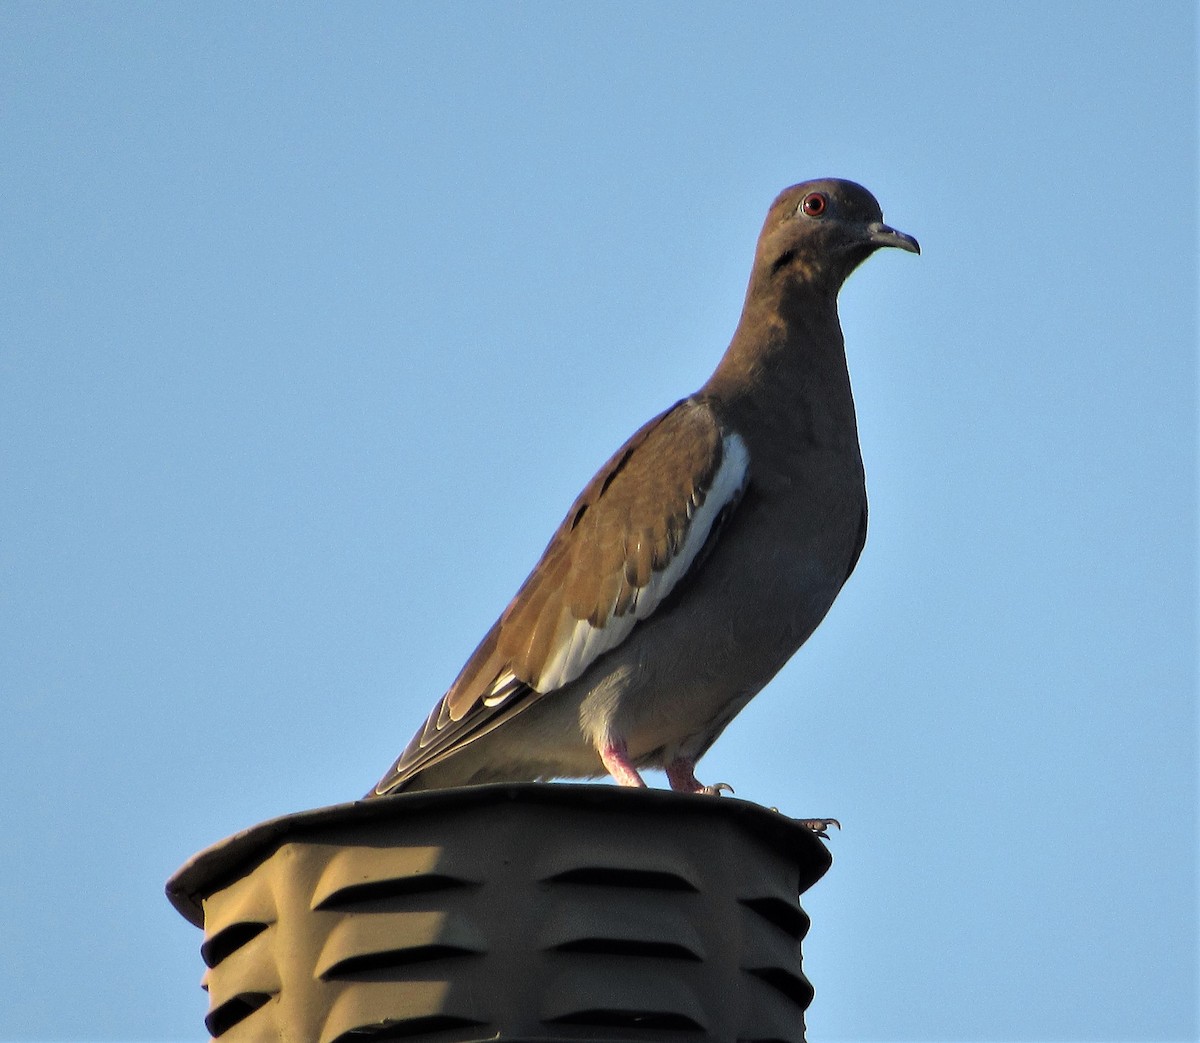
{"points": [[615, 756], [681, 774]]}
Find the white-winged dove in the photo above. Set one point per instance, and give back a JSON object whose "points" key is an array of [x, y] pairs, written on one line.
{"points": [[700, 557]]}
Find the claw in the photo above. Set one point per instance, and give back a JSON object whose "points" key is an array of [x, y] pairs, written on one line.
{"points": [[716, 789], [819, 826]]}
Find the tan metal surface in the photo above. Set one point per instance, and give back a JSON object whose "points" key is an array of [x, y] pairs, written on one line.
{"points": [[533, 911]]}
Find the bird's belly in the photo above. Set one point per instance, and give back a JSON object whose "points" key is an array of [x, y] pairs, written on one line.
{"points": [[684, 674]]}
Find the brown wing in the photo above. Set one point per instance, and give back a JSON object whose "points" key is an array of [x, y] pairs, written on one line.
{"points": [[632, 534]]}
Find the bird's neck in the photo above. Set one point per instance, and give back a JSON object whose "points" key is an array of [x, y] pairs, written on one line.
{"points": [[786, 368]]}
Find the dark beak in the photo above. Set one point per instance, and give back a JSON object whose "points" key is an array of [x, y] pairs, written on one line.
{"points": [[880, 234]]}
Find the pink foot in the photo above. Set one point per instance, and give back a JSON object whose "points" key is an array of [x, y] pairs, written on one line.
{"points": [[615, 756], [681, 774]]}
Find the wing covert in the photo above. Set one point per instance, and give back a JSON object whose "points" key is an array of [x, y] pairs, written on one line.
{"points": [[628, 539]]}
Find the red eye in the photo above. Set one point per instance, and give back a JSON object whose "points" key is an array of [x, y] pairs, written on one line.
{"points": [[814, 204]]}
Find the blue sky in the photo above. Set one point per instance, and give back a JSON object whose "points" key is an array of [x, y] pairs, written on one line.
{"points": [[315, 318]]}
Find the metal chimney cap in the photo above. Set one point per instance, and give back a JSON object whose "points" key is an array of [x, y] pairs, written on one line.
{"points": [[205, 872]]}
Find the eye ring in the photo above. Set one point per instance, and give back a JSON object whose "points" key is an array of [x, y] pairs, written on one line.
{"points": [[814, 204]]}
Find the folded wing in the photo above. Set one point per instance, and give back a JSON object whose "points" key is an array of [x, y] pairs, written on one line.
{"points": [[643, 523]]}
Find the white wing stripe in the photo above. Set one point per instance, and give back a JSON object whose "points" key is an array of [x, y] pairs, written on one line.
{"points": [[585, 643]]}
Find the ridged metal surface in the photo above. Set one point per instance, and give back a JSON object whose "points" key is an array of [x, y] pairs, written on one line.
{"points": [[530, 912]]}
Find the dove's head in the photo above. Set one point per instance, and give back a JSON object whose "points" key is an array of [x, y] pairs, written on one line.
{"points": [[820, 231]]}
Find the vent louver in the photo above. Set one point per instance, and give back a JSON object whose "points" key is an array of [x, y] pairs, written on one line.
{"points": [[531, 913]]}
